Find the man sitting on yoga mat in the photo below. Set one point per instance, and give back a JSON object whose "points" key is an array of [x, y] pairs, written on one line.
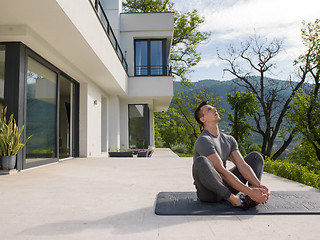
{"points": [[212, 179]]}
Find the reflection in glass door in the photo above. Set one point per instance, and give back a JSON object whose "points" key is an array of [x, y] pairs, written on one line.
{"points": [[66, 118], [139, 131], [156, 60], [41, 115], [2, 65]]}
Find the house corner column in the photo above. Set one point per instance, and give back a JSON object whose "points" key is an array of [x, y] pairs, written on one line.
{"points": [[152, 137], [114, 122], [83, 121]]}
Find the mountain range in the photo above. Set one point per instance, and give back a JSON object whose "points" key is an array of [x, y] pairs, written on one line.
{"points": [[221, 88]]}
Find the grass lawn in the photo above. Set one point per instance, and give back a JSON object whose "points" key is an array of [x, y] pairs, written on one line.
{"points": [[184, 154]]}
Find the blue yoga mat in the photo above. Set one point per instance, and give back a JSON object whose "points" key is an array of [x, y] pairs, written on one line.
{"points": [[280, 202]]}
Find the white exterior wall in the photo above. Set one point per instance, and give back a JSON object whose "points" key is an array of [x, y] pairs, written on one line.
{"points": [[109, 129], [144, 26], [90, 120], [71, 38], [114, 122], [86, 24], [94, 121], [151, 119], [105, 124], [160, 89], [113, 9], [83, 106], [124, 134], [127, 41], [156, 91]]}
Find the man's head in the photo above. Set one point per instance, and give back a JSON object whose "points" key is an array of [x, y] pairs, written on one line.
{"points": [[198, 112], [206, 113]]}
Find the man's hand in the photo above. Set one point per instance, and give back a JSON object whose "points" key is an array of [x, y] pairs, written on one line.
{"points": [[265, 190], [259, 194]]}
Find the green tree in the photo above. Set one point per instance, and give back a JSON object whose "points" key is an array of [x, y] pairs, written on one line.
{"points": [[305, 108], [304, 118], [147, 6], [249, 64], [304, 154], [168, 131], [187, 35], [177, 125], [243, 105], [249, 146]]}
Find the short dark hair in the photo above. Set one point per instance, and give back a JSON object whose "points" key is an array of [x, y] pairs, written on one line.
{"points": [[198, 114]]}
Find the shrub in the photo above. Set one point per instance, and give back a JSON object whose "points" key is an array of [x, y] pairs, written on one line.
{"points": [[293, 171], [180, 148], [305, 155]]}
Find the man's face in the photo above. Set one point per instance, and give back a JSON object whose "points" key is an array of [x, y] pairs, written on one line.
{"points": [[210, 114]]}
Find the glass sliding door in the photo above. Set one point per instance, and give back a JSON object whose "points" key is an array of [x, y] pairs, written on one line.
{"points": [[41, 114], [43, 99], [66, 117], [2, 66], [139, 132]]}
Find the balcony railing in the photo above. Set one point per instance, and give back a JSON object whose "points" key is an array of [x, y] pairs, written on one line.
{"points": [[154, 70], [108, 29]]}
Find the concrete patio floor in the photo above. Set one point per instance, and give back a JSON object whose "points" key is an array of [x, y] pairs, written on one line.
{"points": [[113, 198]]}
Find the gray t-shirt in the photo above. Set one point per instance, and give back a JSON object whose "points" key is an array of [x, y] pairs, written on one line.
{"points": [[208, 144]]}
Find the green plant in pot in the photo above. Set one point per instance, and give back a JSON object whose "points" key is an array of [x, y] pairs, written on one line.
{"points": [[10, 143], [121, 153]]}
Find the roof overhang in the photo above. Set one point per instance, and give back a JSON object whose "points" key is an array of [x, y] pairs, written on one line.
{"points": [[67, 34]]}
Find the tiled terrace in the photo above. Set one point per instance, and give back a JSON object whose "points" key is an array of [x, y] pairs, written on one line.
{"points": [[106, 198]]}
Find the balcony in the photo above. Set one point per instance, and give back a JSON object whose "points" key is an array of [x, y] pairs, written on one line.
{"points": [[155, 70], [108, 29], [152, 34]]}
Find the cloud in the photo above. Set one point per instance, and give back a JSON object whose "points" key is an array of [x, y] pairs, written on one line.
{"points": [[272, 17], [208, 62], [232, 21]]}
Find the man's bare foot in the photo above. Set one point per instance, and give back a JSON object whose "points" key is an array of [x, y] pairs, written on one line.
{"points": [[234, 200], [242, 201]]}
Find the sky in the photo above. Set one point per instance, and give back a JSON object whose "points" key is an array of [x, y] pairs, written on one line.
{"points": [[234, 21]]}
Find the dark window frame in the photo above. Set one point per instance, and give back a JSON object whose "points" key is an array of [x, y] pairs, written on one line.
{"points": [[15, 93], [164, 57], [36, 57], [146, 116]]}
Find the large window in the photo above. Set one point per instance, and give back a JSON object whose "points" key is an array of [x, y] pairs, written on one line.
{"points": [[139, 131], [2, 65], [44, 100], [150, 58], [41, 121]]}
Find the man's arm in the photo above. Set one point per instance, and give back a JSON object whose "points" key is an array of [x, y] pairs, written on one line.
{"points": [[255, 193], [246, 171]]}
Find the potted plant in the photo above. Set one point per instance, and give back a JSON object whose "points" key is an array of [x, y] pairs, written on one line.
{"points": [[121, 153], [142, 153], [10, 143]]}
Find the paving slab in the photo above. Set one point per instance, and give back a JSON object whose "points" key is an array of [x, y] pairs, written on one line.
{"points": [[114, 198]]}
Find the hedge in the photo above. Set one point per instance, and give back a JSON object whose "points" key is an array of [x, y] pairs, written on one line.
{"points": [[293, 171]]}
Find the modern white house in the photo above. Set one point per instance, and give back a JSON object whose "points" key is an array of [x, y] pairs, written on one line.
{"points": [[82, 77]]}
